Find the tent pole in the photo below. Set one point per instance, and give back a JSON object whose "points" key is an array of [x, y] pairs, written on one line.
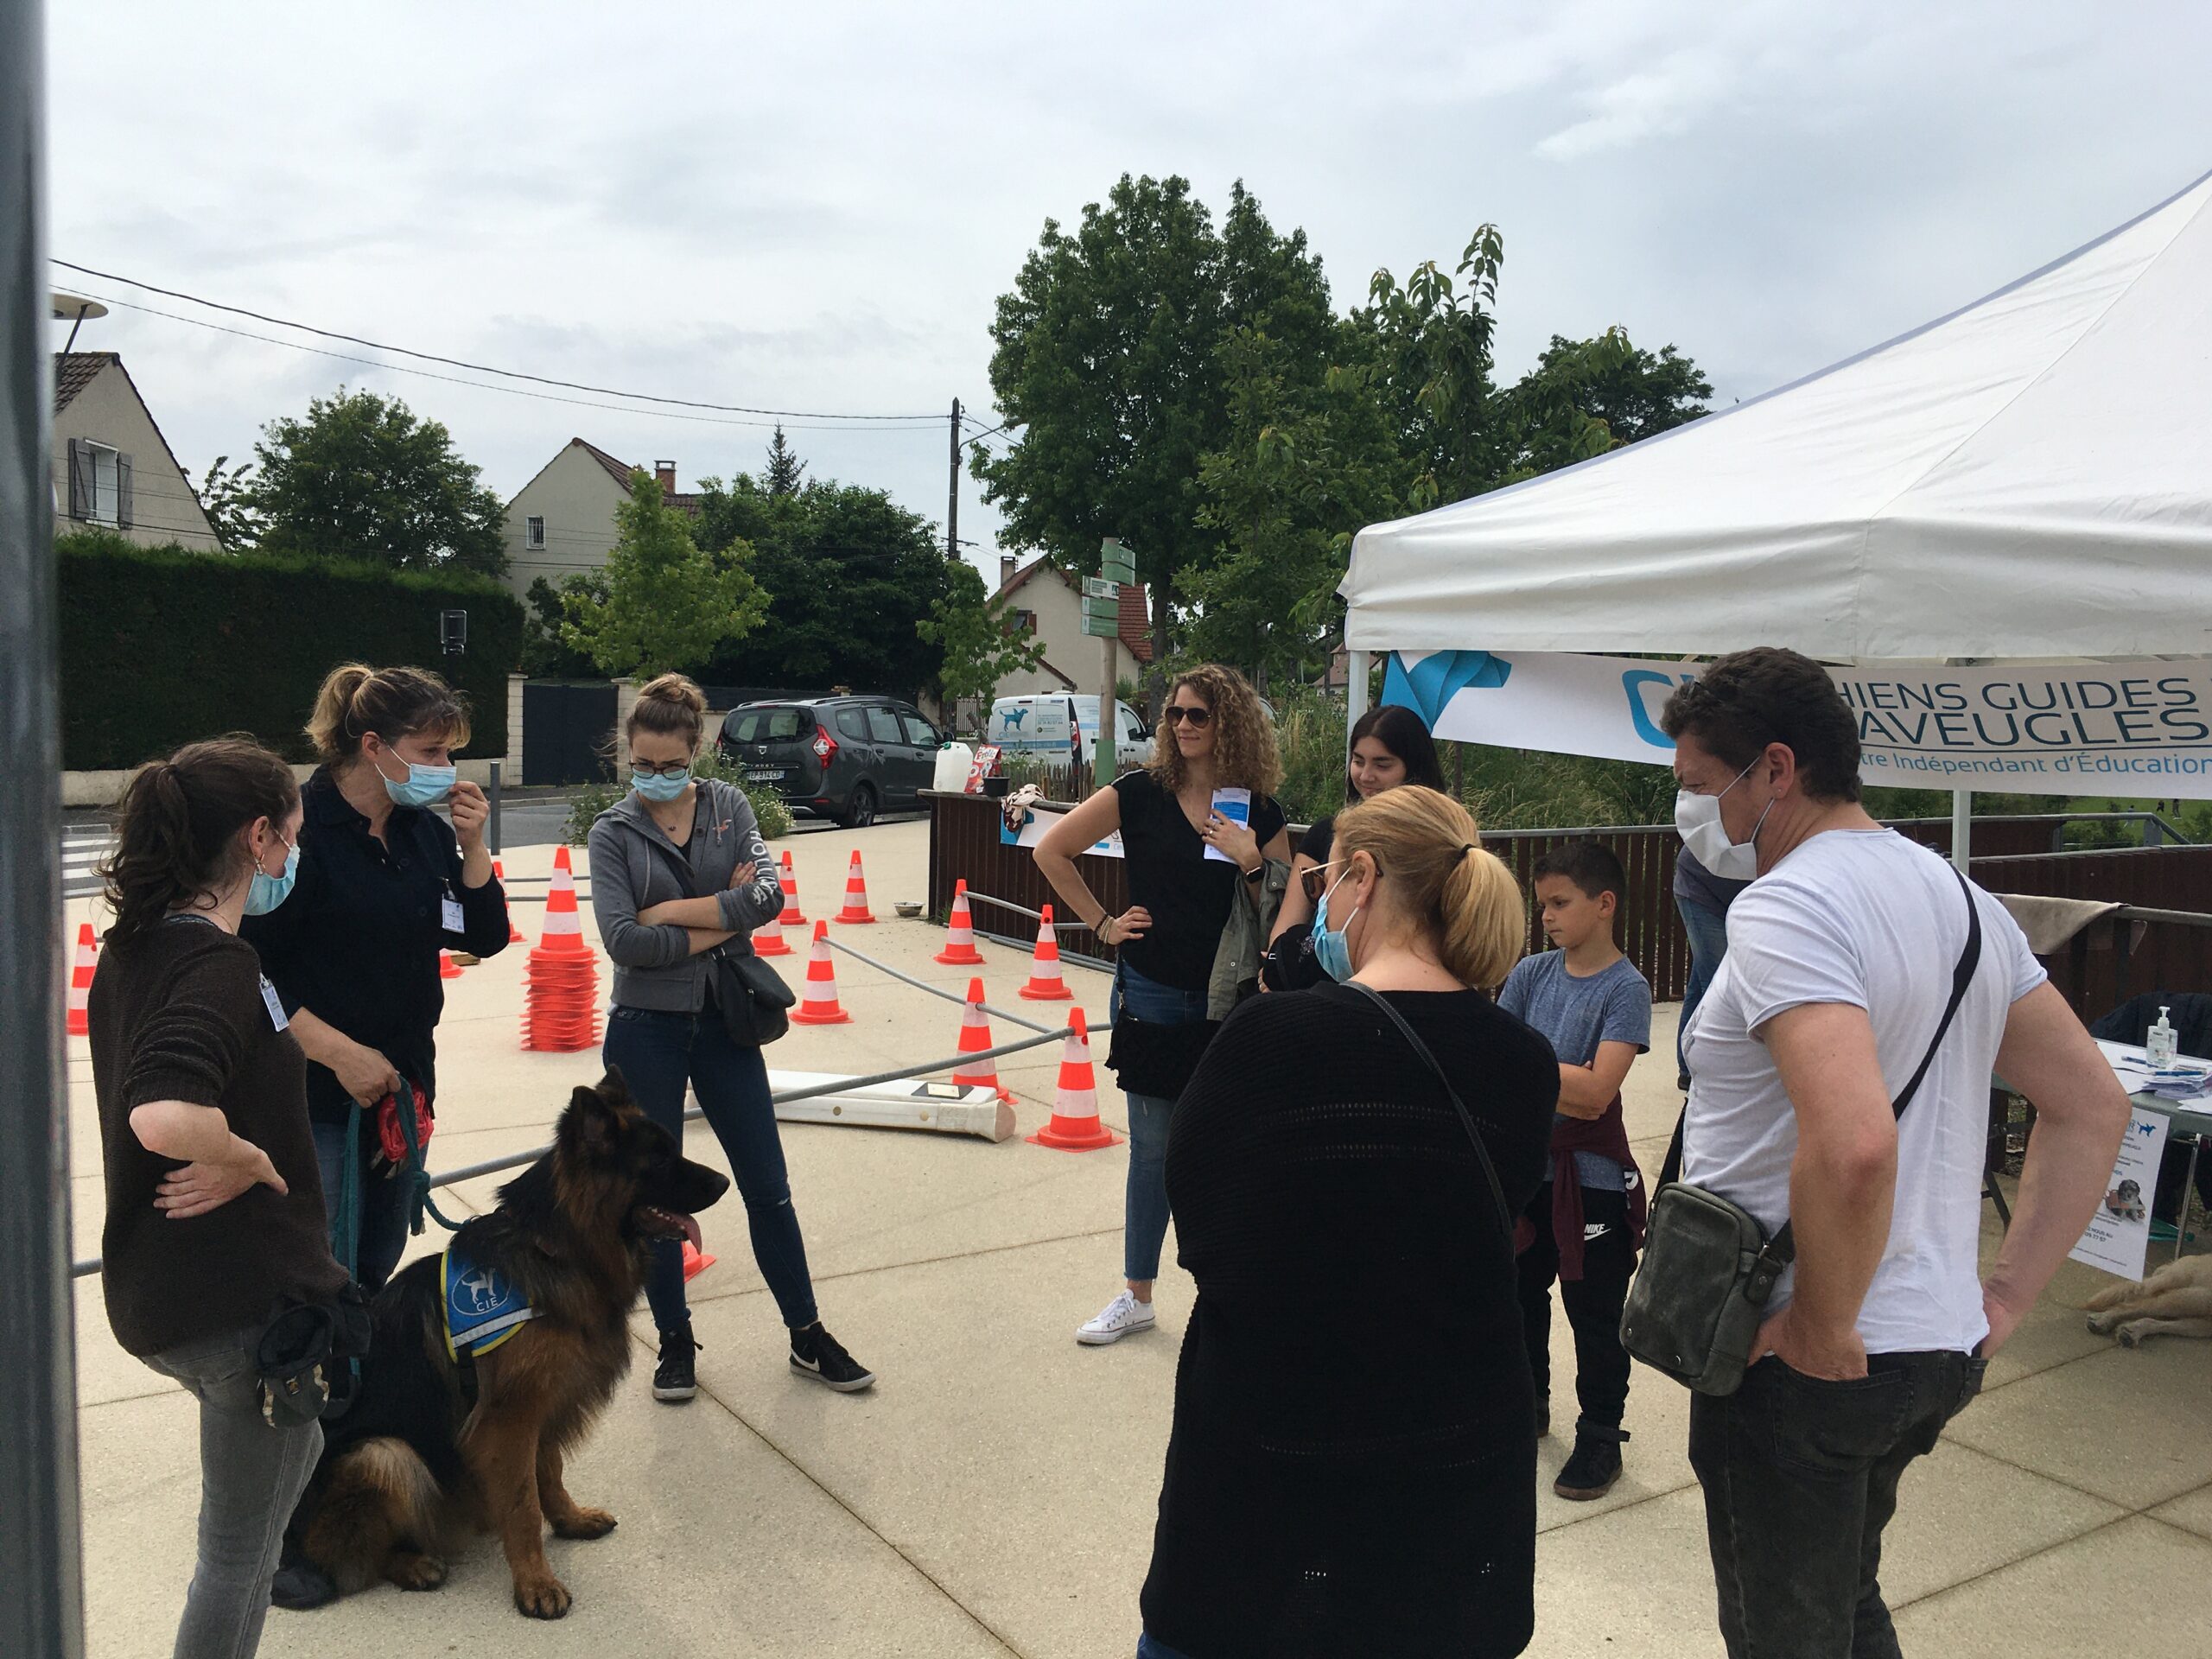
{"points": [[1355, 695], [1962, 830]]}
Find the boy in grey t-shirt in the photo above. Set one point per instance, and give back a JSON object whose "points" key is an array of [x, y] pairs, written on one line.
{"points": [[1589, 999]]}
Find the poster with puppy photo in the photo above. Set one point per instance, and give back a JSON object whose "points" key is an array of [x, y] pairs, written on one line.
{"points": [[2119, 1235]]}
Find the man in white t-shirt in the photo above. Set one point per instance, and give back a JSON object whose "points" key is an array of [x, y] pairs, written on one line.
{"points": [[1841, 957]]}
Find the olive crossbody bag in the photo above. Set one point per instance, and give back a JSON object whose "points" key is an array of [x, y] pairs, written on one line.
{"points": [[1696, 1303]]}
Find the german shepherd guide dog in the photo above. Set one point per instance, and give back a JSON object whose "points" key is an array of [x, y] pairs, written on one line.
{"points": [[432, 1444]]}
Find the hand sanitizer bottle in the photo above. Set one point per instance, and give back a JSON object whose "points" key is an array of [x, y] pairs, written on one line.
{"points": [[2158, 1043]]}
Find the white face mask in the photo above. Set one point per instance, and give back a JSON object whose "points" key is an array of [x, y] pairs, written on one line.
{"points": [[1697, 818]]}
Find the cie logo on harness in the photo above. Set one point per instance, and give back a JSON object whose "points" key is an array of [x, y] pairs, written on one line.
{"points": [[484, 1308]]}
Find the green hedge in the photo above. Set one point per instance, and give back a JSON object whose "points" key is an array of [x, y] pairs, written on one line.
{"points": [[161, 645]]}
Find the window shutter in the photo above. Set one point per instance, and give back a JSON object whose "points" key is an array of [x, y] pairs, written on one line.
{"points": [[123, 492], [80, 480]]}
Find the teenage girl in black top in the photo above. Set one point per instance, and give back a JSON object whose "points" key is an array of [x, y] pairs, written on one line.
{"points": [[1389, 747]]}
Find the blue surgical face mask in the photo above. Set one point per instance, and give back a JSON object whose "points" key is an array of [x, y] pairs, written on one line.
{"points": [[655, 786], [424, 786], [1331, 949], [270, 891]]}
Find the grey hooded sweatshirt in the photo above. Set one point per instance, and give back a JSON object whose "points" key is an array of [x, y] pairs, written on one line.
{"points": [[634, 868]]}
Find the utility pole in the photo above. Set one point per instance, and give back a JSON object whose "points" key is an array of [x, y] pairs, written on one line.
{"points": [[42, 1570], [952, 492]]}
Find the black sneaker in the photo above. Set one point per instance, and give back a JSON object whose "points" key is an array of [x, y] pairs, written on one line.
{"points": [[1595, 1464], [676, 1379], [300, 1584], [817, 1354]]}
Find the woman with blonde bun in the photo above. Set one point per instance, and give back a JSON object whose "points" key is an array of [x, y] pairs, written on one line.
{"points": [[679, 870], [1352, 1468]]}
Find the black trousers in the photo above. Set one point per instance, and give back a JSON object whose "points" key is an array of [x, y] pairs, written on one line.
{"points": [[1800, 1478], [1593, 1303]]}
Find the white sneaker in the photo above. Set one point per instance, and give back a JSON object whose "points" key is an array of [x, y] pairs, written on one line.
{"points": [[1121, 1316]]}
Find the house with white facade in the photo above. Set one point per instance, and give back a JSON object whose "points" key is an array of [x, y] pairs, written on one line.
{"points": [[1042, 598], [561, 523], [112, 469]]}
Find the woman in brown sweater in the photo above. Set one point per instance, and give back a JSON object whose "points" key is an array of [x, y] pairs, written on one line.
{"points": [[214, 1209]]}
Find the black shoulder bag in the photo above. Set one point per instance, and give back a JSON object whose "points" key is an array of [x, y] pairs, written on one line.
{"points": [[1696, 1303], [1466, 1117], [755, 1001]]}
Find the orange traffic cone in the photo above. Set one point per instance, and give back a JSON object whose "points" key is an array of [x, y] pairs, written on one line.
{"points": [[976, 1038], [817, 1005], [1075, 1126], [696, 1261], [792, 917], [768, 939], [1045, 984], [960, 935], [80, 982], [514, 933], [560, 1012], [855, 908], [447, 968]]}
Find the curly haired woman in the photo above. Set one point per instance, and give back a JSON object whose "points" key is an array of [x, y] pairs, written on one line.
{"points": [[1193, 873]]}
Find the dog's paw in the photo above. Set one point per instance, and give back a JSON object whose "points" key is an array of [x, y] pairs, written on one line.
{"points": [[2102, 1323], [2129, 1335], [412, 1570], [545, 1597], [581, 1523]]}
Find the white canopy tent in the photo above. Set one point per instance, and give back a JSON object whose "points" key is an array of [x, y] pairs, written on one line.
{"points": [[2029, 477]]}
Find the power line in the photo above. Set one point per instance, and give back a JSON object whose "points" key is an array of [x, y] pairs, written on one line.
{"points": [[477, 368]]}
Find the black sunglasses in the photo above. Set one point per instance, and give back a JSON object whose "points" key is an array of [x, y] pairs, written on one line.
{"points": [[1175, 712]]}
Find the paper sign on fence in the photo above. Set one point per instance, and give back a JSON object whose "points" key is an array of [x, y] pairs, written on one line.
{"points": [[2119, 1235]]}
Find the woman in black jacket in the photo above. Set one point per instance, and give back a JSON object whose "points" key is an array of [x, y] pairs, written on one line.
{"points": [[384, 885], [1352, 1469], [214, 1210]]}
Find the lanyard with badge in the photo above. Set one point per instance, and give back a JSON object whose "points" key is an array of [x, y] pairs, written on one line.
{"points": [[449, 916]]}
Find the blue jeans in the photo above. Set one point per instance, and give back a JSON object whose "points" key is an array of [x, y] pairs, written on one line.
{"points": [[658, 1053], [1708, 934], [1144, 1210], [383, 1206], [1149, 1649]]}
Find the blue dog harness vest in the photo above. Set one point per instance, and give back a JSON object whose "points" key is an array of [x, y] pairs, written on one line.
{"points": [[484, 1308]]}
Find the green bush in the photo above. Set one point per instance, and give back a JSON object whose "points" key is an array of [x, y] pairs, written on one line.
{"points": [[161, 645], [594, 798]]}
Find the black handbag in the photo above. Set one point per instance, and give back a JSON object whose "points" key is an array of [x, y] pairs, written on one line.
{"points": [[755, 1002], [1696, 1303]]}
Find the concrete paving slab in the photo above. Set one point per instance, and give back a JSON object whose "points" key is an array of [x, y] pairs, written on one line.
{"points": [[2135, 1587], [2147, 1408], [1634, 1581], [2192, 1510], [724, 1546]]}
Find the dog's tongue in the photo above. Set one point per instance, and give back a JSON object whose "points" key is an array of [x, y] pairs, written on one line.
{"points": [[690, 1230]]}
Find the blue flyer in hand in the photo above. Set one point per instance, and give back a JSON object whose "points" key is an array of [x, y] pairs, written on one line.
{"points": [[1235, 805]]}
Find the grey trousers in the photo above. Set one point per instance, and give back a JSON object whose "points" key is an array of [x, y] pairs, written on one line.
{"points": [[251, 1477]]}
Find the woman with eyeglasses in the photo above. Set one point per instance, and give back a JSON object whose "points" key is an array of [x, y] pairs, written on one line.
{"points": [[1389, 747], [1206, 871], [384, 885], [1353, 1463], [679, 869]]}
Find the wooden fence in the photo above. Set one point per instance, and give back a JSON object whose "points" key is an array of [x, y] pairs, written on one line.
{"points": [[2104, 966]]}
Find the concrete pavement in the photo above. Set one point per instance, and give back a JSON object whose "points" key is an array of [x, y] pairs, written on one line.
{"points": [[994, 1493]]}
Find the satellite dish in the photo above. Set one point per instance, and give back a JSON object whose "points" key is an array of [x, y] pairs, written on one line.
{"points": [[72, 308]]}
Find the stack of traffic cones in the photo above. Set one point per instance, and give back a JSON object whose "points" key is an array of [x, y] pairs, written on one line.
{"points": [[960, 935], [855, 908], [976, 1038], [1045, 984], [560, 1011], [514, 933], [817, 1004], [1075, 1126], [80, 982], [792, 916]]}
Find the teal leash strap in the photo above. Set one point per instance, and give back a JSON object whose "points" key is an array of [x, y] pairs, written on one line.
{"points": [[346, 1204], [418, 1177]]}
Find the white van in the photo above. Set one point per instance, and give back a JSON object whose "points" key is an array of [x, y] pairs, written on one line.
{"points": [[1052, 725]]}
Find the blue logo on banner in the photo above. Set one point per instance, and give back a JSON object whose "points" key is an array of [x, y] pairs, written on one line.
{"points": [[1430, 685]]}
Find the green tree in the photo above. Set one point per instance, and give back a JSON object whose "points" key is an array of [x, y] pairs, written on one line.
{"points": [[227, 499], [363, 478], [1106, 368], [976, 636], [668, 605], [1586, 397], [544, 654], [852, 572], [786, 470]]}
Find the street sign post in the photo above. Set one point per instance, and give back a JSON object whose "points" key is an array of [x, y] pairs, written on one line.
{"points": [[1101, 617]]}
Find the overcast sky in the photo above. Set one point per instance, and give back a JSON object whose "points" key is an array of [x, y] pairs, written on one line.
{"points": [[814, 206]]}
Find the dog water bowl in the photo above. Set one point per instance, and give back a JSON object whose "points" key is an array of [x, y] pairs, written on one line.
{"points": [[909, 908]]}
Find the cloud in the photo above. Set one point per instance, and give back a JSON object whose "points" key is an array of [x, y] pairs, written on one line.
{"points": [[1655, 103]]}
